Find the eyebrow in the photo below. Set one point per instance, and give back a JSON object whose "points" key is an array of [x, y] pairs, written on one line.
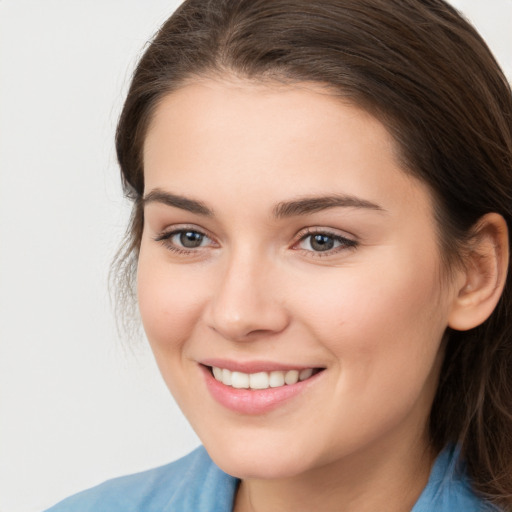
{"points": [[184, 203], [297, 207], [306, 205]]}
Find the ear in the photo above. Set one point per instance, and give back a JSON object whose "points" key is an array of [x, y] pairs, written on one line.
{"points": [[484, 275]]}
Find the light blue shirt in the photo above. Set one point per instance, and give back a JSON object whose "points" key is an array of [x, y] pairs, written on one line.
{"points": [[195, 484]]}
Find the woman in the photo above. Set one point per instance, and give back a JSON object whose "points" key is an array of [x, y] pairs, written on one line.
{"points": [[322, 199]]}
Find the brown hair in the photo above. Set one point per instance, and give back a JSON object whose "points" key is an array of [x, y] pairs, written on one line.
{"points": [[423, 70]]}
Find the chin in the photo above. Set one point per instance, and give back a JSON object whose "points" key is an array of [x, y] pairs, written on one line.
{"points": [[259, 461], [258, 469]]}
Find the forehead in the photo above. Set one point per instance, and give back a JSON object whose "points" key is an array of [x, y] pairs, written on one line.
{"points": [[278, 110], [269, 138]]}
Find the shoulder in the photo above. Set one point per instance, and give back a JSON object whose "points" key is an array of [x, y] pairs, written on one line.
{"points": [[449, 488], [193, 483]]}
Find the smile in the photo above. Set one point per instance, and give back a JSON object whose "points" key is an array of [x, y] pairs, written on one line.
{"points": [[261, 380], [262, 387]]}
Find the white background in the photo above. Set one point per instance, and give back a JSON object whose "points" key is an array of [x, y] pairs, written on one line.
{"points": [[77, 406]]}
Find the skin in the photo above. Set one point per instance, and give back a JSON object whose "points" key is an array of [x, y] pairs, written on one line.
{"points": [[372, 315]]}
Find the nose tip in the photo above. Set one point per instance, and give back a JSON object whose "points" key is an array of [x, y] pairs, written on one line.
{"points": [[246, 306], [241, 326]]}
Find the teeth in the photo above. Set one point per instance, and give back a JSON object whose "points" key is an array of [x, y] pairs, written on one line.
{"points": [[226, 377], [239, 380], [276, 379], [291, 377], [217, 373], [260, 380], [305, 374]]}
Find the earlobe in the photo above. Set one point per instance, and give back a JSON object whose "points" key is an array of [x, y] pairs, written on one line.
{"points": [[484, 275]]}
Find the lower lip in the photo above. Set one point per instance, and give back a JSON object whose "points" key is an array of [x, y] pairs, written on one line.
{"points": [[257, 401]]}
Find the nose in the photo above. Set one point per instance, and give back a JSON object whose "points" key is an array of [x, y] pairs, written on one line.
{"points": [[247, 302]]}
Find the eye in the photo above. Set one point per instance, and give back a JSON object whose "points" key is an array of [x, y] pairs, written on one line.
{"points": [[324, 242], [184, 240], [188, 239]]}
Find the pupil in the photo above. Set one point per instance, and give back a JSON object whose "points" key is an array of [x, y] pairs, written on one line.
{"points": [[322, 243], [191, 239]]}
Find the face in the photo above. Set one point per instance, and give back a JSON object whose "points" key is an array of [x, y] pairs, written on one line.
{"points": [[282, 241]]}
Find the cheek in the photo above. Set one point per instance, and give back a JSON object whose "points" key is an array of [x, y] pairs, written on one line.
{"points": [[382, 324], [170, 303], [383, 331]]}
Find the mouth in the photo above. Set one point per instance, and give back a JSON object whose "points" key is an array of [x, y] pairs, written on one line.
{"points": [[258, 387], [261, 380]]}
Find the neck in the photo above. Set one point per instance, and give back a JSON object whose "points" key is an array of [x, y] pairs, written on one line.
{"points": [[385, 478]]}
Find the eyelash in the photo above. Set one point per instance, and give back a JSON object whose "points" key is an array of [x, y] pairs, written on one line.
{"points": [[166, 240], [344, 243]]}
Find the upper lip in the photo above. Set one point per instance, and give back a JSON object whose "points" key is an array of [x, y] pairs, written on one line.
{"points": [[254, 366]]}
